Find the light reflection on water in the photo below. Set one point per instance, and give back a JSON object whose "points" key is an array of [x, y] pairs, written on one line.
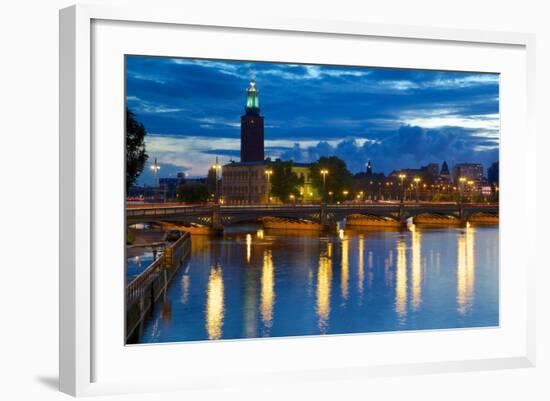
{"points": [[214, 304], [261, 283], [416, 268], [268, 293], [465, 271], [324, 283], [401, 282]]}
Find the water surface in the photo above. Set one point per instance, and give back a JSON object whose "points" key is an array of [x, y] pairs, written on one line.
{"points": [[256, 283]]}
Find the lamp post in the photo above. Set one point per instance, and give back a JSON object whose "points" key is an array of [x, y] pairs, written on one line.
{"points": [[471, 189], [461, 182], [216, 167], [268, 174], [324, 173], [402, 178], [345, 192], [155, 168], [416, 181]]}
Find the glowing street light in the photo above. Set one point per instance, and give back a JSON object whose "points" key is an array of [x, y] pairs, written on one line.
{"points": [[416, 181], [155, 168], [402, 178], [217, 167], [324, 173], [461, 182], [268, 174], [471, 189]]}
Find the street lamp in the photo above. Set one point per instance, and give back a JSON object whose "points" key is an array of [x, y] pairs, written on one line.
{"points": [[471, 189], [324, 173], [416, 181], [461, 182], [268, 174], [216, 167], [345, 193], [402, 178], [292, 198], [155, 168]]}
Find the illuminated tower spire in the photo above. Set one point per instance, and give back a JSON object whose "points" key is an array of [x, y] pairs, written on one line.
{"points": [[252, 100], [252, 127], [369, 168]]}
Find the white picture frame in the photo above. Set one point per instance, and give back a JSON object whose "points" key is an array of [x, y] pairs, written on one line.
{"points": [[80, 210]]}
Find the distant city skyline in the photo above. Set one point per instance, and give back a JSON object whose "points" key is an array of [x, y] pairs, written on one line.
{"points": [[396, 118]]}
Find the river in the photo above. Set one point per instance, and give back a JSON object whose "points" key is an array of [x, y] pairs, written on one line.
{"points": [[258, 283]]}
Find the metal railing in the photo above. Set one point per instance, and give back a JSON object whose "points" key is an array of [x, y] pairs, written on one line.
{"points": [[172, 255], [207, 210], [137, 287], [145, 289]]}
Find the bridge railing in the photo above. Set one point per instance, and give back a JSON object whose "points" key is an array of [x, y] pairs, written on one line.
{"points": [[140, 283], [146, 288], [165, 211], [159, 212], [172, 254]]}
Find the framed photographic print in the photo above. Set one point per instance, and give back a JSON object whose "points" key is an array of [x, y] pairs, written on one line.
{"points": [[290, 199]]}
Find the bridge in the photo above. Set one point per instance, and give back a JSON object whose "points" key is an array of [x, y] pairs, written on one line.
{"points": [[218, 216]]}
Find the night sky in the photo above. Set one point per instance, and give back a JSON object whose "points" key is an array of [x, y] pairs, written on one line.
{"points": [[395, 118]]}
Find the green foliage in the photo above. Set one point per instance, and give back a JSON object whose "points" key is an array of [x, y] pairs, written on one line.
{"points": [[192, 193], [136, 155], [284, 181], [338, 179]]}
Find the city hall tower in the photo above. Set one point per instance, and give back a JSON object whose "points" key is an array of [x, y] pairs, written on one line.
{"points": [[252, 127]]}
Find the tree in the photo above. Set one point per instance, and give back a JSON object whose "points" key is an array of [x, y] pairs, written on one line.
{"points": [[284, 181], [192, 193], [338, 179], [136, 155]]}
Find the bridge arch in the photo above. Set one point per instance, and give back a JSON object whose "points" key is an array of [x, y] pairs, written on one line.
{"points": [[339, 215], [256, 218], [481, 217], [369, 219], [436, 218]]}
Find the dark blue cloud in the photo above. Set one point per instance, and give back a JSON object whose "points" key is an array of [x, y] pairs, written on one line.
{"points": [[223, 152], [398, 118]]}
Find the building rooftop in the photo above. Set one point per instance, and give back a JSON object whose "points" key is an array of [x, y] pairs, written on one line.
{"points": [[253, 163], [264, 162]]}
